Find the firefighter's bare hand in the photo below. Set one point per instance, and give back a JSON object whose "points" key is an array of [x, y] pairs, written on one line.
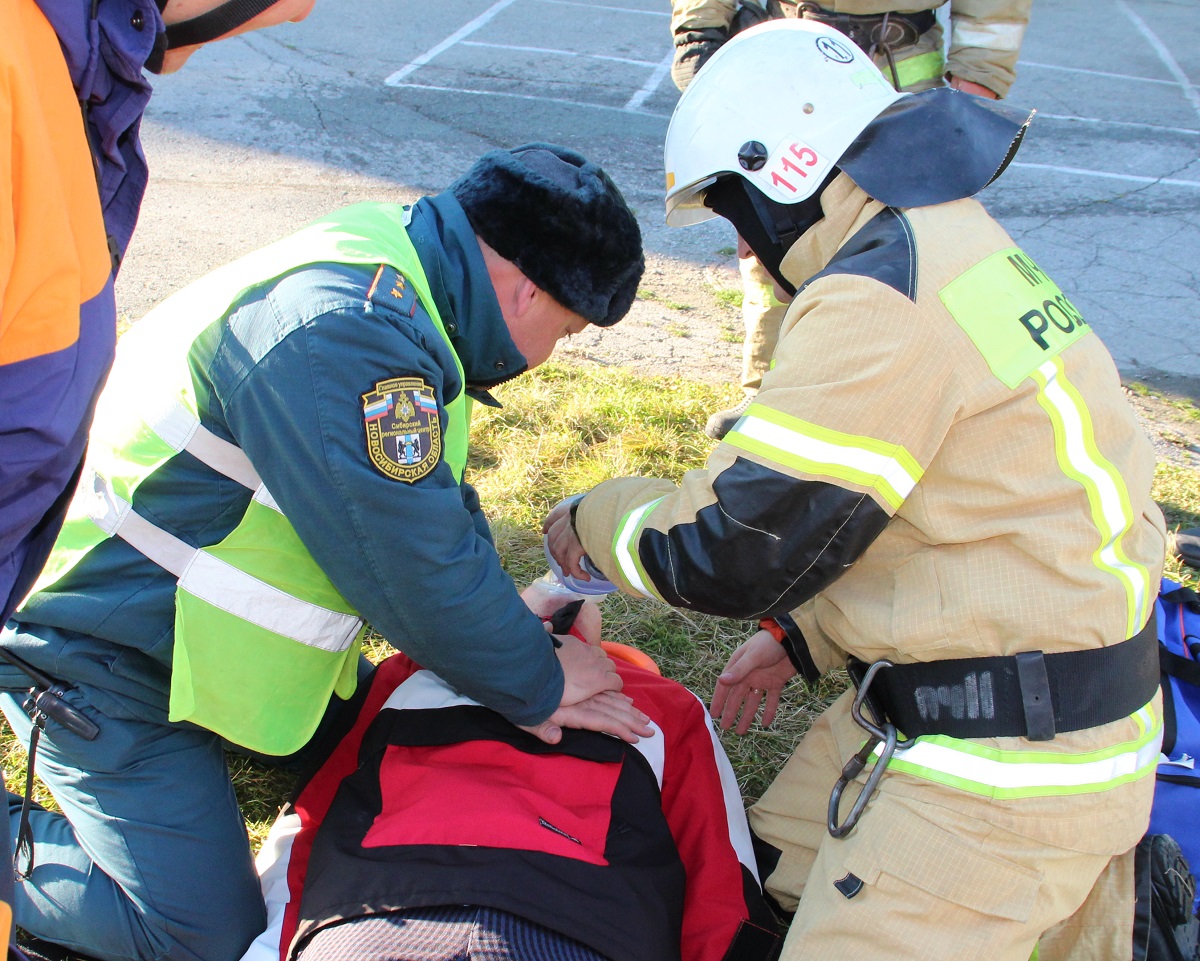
{"points": [[969, 86], [562, 541], [587, 670], [608, 712], [752, 681]]}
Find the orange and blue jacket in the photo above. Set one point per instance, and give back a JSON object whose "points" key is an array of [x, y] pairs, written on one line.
{"points": [[57, 313]]}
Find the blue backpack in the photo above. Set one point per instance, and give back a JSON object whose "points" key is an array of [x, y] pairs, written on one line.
{"points": [[1165, 923], [1176, 798]]}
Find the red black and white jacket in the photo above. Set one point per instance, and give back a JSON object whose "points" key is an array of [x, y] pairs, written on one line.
{"points": [[641, 852]]}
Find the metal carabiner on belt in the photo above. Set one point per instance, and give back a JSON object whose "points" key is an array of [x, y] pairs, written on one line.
{"points": [[880, 733]]}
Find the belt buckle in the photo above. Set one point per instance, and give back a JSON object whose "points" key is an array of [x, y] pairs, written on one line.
{"points": [[880, 732]]}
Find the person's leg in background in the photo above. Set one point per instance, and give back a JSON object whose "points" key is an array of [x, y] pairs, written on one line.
{"points": [[762, 315]]}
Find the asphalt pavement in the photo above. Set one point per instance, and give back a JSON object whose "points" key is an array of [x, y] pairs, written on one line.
{"points": [[368, 99]]}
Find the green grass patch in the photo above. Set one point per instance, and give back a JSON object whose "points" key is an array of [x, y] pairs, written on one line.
{"points": [[1185, 407], [728, 297], [1177, 491], [644, 294], [1181, 405]]}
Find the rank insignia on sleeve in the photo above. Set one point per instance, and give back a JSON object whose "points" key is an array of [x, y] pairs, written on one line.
{"points": [[404, 434]]}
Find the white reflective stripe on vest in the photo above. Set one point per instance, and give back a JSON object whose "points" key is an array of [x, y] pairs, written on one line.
{"points": [[115, 516], [180, 429], [223, 457], [225, 587], [977, 769], [218, 583], [264, 497]]}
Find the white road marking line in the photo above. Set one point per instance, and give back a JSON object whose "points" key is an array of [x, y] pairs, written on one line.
{"points": [[1164, 55], [1133, 178], [464, 31], [1095, 73], [651, 83], [526, 96], [596, 6], [560, 53], [1117, 123]]}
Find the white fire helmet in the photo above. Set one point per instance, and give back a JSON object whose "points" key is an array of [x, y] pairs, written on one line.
{"points": [[778, 104]]}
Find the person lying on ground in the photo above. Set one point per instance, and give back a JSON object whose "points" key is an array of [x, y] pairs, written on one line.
{"points": [[434, 830]]}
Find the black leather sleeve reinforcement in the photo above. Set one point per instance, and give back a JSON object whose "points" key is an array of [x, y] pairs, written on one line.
{"points": [[769, 543]]}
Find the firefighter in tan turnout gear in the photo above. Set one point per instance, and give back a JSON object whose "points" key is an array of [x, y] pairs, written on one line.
{"points": [[906, 42], [941, 483]]}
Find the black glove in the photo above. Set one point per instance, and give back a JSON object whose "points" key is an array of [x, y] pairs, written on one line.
{"points": [[692, 50], [752, 14]]}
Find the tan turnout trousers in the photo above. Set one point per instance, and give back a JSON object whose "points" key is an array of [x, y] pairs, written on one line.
{"points": [[961, 887]]}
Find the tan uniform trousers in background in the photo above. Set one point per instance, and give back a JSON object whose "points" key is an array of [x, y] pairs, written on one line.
{"points": [[939, 883], [762, 315]]}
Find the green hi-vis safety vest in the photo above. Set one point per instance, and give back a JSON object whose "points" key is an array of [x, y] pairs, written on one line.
{"points": [[262, 638]]}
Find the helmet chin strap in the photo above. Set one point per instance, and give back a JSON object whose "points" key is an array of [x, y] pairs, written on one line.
{"points": [[769, 228], [215, 23]]}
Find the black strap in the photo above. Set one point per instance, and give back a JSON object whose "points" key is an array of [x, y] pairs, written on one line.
{"points": [[1170, 720], [753, 943], [1178, 666], [216, 23], [1185, 596], [24, 846], [1031, 695], [855, 25]]}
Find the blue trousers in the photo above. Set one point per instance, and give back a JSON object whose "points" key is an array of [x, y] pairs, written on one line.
{"points": [[149, 859]]}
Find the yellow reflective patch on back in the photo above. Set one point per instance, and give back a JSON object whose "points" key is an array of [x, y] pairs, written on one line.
{"points": [[1016, 315]]}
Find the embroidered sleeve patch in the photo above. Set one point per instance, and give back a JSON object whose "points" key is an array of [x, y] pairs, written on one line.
{"points": [[404, 434]]}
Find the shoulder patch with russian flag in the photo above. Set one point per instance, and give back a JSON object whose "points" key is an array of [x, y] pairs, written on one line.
{"points": [[403, 430]]}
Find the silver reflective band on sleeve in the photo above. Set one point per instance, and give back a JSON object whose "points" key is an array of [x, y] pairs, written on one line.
{"points": [[987, 36], [224, 586], [624, 546], [833, 454]]}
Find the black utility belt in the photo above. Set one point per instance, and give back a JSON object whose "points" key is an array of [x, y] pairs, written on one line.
{"points": [[1031, 695], [897, 30]]}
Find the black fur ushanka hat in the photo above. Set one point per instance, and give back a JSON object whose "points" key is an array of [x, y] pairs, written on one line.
{"points": [[562, 221]]}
